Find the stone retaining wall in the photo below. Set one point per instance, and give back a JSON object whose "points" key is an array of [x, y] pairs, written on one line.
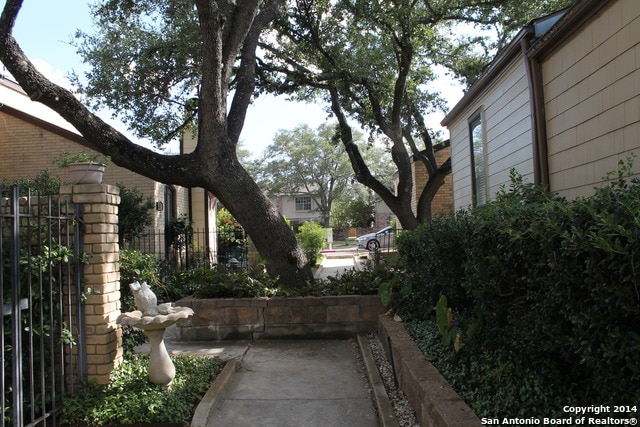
{"points": [[279, 317], [435, 402]]}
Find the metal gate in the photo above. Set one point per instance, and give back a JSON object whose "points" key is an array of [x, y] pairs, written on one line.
{"points": [[41, 267]]}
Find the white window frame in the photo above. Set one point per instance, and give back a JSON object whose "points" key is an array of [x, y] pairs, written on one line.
{"points": [[302, 202]]}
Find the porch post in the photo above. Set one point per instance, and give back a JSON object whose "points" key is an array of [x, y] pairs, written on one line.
{"points": [[101, 276]]}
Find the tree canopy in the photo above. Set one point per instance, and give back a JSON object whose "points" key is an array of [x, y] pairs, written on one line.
{"points": [[373, 62], [312, 161], [145, 62], [307, 161], [165, 65]]}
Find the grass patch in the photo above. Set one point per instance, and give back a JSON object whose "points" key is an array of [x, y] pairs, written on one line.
{"points": [[131, 398]]}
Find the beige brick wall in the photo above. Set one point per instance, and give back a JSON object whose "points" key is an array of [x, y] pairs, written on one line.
{"points": [[28, 146], [442, 203]]}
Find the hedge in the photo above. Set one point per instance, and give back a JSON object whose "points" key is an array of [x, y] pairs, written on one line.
{"points": [[552, 284]]}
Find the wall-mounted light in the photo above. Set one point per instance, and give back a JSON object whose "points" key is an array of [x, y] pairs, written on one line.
{"points": [[159, 206]]}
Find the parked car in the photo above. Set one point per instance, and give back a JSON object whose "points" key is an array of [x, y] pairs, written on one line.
{"points": [[379, 239]]}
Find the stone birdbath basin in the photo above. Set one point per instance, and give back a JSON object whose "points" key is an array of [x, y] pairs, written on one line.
{"points": [[153, 320]]}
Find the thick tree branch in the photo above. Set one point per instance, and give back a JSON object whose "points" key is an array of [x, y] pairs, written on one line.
{"points": [[122, 151], [360, 168], [246, 75]]}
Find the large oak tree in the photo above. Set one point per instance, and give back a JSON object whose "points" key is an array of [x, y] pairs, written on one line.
{"points": [[374, 61], [224, 35]]}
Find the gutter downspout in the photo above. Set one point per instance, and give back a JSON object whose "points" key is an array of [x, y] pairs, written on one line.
{"points": [[538, 119]]}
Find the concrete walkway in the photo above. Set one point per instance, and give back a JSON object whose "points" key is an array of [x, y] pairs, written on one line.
{"points": [[301, 383], [335, 263], [290, 383]]}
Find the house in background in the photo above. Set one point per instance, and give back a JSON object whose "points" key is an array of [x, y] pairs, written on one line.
{"points": [[560, 104], [298, 208], [31, 135], [301, 208]]}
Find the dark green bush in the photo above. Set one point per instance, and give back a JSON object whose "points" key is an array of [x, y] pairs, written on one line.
{"points": [[553, 283], [134, 213], [219, 283], [130, 397], [353, 282], [493, 383], [136, 267]]}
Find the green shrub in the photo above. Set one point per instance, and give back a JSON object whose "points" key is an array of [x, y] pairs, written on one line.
{"points": [[134, 214], [137, 267], [311, 236], [219, 283], [179, 232], [352, 282], [553, 285], [130, 397], [43, 184]]}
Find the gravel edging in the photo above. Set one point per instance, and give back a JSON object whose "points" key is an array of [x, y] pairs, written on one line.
{"points": [[404, 413], [380, 396], [434, 400]]}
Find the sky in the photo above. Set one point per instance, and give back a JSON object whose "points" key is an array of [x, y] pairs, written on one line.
{"points": [[44, 29]]}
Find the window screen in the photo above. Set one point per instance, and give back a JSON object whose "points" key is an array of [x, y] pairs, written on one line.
{"points": [[303, 203], [478, 160]]}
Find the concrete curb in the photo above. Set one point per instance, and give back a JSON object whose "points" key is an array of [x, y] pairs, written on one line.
{"points": [[318, 273], [385, 410], [205, 407], [436, 403]]}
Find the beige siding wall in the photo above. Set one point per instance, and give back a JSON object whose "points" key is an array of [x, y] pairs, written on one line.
{"points": [[461, 162], [506, 118], [591, 90]]}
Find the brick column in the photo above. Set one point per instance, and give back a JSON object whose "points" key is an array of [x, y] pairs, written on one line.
{"points": [[101, 276]]}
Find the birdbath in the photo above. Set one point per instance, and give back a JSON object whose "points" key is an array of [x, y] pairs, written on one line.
{"points": [[153, 320]]}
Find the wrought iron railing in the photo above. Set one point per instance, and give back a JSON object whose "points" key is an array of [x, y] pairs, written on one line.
{"points": [[39, 257], [202, 249]]}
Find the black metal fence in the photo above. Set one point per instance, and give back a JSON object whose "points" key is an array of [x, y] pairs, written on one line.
{"points": [[195, 249], [39, 257]]}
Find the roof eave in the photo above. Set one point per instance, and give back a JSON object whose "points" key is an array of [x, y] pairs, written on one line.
{"points": [[497, 67]]}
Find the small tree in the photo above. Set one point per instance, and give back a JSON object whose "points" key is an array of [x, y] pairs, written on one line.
{"points": [[309, 161], [231, 237], [311, 238], [179, 232], [133, 213], [356, 213]]}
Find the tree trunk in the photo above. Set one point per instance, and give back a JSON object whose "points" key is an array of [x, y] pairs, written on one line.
{"points": [[213, 165], [269, 232]]}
